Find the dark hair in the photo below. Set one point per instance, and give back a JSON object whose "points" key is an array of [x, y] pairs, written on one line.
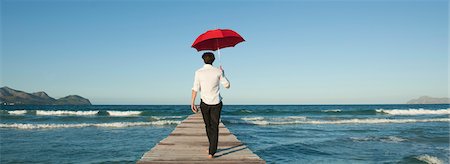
{"points": [[208, 57]]}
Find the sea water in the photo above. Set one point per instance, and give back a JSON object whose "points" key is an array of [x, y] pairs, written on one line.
{"points": [[277, 133]]}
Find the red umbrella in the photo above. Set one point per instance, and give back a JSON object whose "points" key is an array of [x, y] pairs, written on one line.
{"points": [[216, 39]]}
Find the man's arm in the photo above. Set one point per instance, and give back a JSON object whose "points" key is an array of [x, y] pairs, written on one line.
{"points": [[195, 89], [193, 107], [224, 80]]}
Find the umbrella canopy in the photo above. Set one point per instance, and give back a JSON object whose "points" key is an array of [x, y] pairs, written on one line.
{"points": [[216, 39]]}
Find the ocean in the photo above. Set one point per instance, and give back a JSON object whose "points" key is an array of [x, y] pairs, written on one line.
{"points": [[277, 133]]}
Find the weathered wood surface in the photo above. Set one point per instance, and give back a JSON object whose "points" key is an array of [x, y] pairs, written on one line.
{"points": [[188, 144]]}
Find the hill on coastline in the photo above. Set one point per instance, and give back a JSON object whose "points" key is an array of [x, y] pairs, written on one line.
{"points": [[9, 96], [429, 100]]}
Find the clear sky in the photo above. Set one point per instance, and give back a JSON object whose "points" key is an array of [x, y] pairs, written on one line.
{"points": [[296, 52]]}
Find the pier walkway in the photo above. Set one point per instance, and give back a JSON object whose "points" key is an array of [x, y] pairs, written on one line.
{"points": [[188, 144]]}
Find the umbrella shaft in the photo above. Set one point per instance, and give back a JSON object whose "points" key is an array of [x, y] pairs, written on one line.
{"points": [[220, 61]]}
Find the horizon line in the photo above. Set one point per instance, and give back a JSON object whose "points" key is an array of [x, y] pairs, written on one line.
{"points": [[277, 104]]}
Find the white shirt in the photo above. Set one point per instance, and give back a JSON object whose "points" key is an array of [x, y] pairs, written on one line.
{"points": [[207, 81]]}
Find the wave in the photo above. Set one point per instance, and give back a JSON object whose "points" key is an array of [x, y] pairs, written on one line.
{"points": [[429, 159], [101, 125], [343, 111], [393, 139], [124, 113], [246, 111], [256, 120], [65, 112], [252, 118], [268, 121], [165, 117], [303, 112], [77, 113], [273, 120], [413, 111], [379, 121], [17, 112], [332, 110], [294, 117]]}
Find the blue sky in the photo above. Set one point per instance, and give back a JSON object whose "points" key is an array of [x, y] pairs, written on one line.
{"points": [[296, 52]]}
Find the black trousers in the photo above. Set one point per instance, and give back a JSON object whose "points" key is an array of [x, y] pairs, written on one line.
{"points": [[211, 117]]}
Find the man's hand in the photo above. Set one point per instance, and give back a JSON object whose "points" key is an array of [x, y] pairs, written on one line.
{"points": [[223, 71], [194, 108]]}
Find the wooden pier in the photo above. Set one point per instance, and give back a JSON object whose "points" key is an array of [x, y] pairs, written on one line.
{"points": [[188, 144]]}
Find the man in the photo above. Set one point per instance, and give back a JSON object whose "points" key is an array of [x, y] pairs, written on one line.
{"points": [[207, 81]]}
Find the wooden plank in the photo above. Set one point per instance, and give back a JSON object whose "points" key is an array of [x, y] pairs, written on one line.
{"points": [[188, 144]]}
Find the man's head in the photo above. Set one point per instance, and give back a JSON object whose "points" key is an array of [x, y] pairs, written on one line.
{"points": [[208, 57]]}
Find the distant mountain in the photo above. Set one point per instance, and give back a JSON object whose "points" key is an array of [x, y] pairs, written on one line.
{"points": [[73, 100], [42, 95], [429, 100], [12, 96]]}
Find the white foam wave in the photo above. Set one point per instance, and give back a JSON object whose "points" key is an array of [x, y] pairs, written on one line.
{"points": [[378, 121], [274, 120], [414, 111], [65, 112], [359, 139], [101, 125], [332, 110], [17, 112], [255, 120], [296, 117], [246, 111], [429, 159], [165, 117], [124, 113], [391, 139], [252, 118], [263, 121], [286, 119]]}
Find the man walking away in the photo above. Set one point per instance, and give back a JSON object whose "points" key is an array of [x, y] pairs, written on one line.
{"points": [[207, 81]]}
